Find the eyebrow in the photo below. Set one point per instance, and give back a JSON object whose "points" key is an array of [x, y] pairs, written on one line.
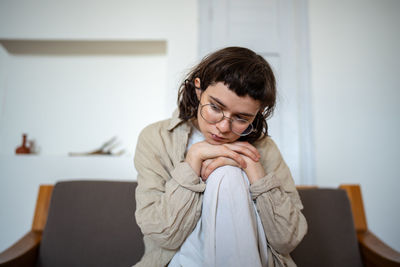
{"points": [[224, 106]]}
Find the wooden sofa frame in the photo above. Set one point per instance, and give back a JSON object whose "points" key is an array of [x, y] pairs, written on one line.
{"points": [[373, 251]]}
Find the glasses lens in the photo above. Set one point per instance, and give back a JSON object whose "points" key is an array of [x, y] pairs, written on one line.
{"points": [[214, 114], [241, 127], [211, 113]]}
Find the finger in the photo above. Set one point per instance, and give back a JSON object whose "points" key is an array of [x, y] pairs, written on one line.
{"points": [[249, 146], [218, 162], [247, 150], [209, 169], [204, 166], [209, 151], [235, 156], [243, 149]]}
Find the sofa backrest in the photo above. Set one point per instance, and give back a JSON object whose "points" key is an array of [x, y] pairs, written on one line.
{"points": [[91, 223], [331, 238]]}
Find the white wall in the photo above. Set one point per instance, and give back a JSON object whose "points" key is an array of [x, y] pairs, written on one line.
{"points": [[282, 41], [355, 81], [72, 102], [355, 74]]}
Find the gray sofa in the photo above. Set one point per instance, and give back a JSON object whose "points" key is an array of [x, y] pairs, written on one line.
{"points": [[91, 223]]}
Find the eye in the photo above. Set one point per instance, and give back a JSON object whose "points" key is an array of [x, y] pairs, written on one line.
{"points": [[238, 117], [240, 120], [215, 107]]}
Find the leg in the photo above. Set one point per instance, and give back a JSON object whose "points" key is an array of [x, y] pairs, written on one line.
{"points": [[229, 221]]}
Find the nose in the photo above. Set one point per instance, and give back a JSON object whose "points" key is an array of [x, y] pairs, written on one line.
{"points": [[224, 126]]}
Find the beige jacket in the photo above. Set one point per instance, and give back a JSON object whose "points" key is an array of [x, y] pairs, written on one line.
{"points": [[169, 196]]}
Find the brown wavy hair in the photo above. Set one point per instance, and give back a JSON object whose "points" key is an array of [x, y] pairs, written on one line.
{"points": [[242, 71]]}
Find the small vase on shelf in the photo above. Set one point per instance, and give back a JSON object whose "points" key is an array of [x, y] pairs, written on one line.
{"points": [[23, 149]]}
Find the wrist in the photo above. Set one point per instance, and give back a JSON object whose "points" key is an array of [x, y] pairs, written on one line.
{"points": [[193, 162], [255, 174]]}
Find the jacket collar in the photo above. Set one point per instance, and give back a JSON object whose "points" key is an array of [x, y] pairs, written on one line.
{"points": [[175, 120]]}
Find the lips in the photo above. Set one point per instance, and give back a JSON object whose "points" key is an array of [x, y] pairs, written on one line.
{"points": [[217, 138]]}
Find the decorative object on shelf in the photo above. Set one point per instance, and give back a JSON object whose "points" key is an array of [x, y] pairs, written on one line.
{"points": [[24, 148], [105, 149], [33, 147]]}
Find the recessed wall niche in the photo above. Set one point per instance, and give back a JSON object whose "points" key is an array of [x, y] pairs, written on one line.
{"points": [[73, 95]]}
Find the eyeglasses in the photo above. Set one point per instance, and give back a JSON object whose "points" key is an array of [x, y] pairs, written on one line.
{"points": [[213, 114]]}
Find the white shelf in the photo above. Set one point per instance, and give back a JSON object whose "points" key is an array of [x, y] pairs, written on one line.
{"points": [[83, 47]]}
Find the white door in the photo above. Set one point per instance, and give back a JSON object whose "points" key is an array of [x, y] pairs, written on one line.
{"points": [[277, 30]]}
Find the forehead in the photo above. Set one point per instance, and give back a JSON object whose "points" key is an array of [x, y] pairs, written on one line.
{"points": [[230, 100]]}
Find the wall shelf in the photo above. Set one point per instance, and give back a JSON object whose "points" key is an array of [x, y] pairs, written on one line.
{"points": [[83, 47]]}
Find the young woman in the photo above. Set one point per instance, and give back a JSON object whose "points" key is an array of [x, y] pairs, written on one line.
{"points": [[213, 189]]}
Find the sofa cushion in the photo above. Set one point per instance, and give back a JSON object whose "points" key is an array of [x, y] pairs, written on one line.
{"points": [[331, 238], [91, 223]]}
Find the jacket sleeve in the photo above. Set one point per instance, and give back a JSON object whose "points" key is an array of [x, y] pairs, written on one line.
{"points": [[168, 195], [278, 202]]}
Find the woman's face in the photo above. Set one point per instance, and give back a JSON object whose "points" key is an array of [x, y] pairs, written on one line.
{"points": [[231, 104]]}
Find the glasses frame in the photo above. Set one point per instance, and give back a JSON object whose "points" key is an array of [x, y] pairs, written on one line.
{"points": [[230, 120]]}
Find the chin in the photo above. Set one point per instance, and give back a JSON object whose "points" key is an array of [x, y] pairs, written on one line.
{"points": [[214, 142], [220, 142]]}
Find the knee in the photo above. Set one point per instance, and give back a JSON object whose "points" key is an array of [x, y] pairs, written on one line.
{"points": [[226, 170], [228, 180], [227, 176]]}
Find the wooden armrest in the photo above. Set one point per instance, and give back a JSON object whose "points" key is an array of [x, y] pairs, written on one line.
{"points": [[24, 252], [375, 252]]}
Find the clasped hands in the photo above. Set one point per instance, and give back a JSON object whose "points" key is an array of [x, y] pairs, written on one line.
{"points": [[204, 158]]}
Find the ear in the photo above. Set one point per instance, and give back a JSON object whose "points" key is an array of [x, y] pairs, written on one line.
{"points": [[197, 85]]}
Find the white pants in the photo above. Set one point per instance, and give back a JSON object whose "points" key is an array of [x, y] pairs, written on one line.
{"points": [[229, 232]]}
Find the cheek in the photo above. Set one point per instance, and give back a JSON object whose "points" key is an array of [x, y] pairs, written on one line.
{"points": [[201, 122], [234, 138], [203, 125]]}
